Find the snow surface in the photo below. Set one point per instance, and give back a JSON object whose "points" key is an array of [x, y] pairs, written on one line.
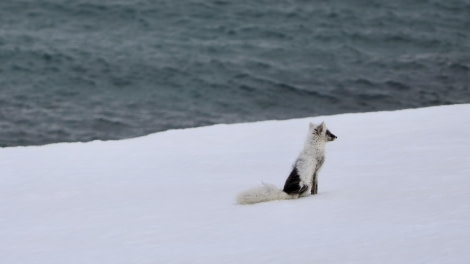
{"points": [[395, 188]]}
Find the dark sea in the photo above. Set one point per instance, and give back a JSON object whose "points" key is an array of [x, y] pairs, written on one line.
{"points": [[80, 70]]}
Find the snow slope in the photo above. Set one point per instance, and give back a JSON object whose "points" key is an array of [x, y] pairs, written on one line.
{"points": [[395, 188]]}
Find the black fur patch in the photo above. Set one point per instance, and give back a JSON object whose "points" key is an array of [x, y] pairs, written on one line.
{"points": [[330, 136], [292, 185]]}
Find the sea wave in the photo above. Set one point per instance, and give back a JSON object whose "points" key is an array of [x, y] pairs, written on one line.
{"points": [[84, 70]]}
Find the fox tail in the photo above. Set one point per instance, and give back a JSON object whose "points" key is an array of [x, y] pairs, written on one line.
{"points": [[264, 193]]}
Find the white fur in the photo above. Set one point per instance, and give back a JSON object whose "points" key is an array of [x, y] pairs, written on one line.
{"points": [[306, 164], [307, 161], [267, 192]]}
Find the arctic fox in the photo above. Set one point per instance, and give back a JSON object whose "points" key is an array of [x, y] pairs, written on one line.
{"points": [[303, 180]]}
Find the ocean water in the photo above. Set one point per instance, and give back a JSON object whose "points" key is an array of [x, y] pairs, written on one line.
{"points": [[79, 70]]}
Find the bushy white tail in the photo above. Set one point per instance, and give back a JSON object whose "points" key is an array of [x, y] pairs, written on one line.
{"points": [[264, 193]]}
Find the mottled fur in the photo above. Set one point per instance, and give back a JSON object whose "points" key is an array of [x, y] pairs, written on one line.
{"points": [[303, 179]]}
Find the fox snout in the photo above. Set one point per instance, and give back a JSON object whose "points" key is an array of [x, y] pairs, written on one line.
{"points": [[330, 136]]}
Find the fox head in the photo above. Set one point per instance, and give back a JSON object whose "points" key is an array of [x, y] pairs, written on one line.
{"points": [[322, 132]]}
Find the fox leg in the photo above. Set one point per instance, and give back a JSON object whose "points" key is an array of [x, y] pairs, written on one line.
{"points": [[314, 184], [320, 162]]}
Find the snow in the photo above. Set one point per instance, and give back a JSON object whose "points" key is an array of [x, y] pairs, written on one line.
{"points": [[395, 188]]}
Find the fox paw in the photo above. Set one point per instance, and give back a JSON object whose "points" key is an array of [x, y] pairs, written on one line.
{"points": [[303, 189]]}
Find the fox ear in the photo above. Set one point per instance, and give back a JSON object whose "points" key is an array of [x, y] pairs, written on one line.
{"points": [[311, 126], [320, 128]]}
